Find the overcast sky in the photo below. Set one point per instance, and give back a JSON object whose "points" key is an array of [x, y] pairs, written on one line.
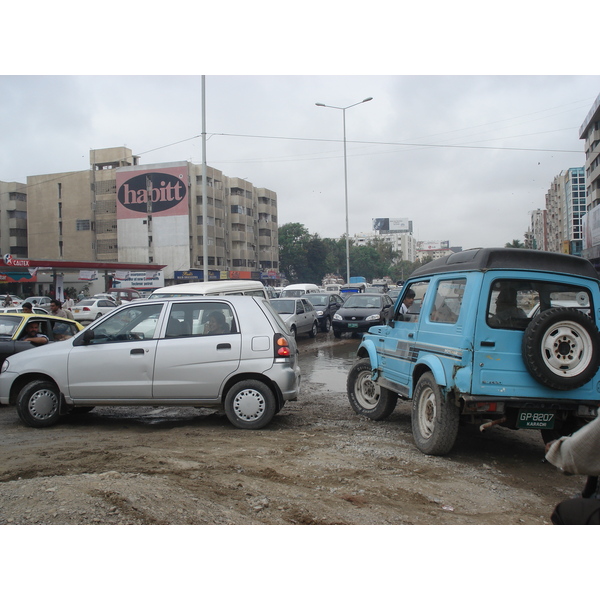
{"points": [[465, 157]]}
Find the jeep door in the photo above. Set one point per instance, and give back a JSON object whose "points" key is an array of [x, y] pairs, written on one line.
{"points": [[396, 348]]}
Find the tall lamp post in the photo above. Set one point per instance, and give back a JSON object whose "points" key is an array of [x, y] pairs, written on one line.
{"points": [[344, 109]]}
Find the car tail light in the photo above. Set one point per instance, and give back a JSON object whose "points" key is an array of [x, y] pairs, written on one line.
{"points": [[86, 308], [282, 347]]}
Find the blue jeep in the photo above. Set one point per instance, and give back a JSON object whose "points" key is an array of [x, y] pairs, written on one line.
{"points": [[494, 336]]}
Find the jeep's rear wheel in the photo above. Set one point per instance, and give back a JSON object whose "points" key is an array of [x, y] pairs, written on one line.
{"points": [[250, 404], [366, 396], [434, 419], [561, 349]]}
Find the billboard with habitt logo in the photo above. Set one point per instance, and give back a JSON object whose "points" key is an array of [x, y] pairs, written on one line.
{"points": [[162, 191], [153, 222]]}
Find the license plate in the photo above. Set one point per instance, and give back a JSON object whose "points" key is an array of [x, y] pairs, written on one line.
{"points": [[352, 324], [536, 419]]}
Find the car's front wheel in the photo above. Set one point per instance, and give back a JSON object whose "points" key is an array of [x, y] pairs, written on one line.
{"points": [[326, 325], [250, 404], [434, 419], [367, 397], [38, 404]]}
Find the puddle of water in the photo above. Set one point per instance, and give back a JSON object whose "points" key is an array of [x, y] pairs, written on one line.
{"points": [[328, 366]]}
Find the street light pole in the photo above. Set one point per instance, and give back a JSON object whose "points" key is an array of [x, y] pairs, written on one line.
{"points": [[344, 109]]}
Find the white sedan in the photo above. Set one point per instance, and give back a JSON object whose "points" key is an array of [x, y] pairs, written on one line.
{"points": [[92, 308]]}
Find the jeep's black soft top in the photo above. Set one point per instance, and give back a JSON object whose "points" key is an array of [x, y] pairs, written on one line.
{"points": [[484, 259]]}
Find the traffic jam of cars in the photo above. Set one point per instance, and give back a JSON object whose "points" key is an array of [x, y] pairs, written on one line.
{"points": [[492, 337]]}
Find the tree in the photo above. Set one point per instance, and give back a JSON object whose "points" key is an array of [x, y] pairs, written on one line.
{"points": [[514, 244], [293, 252]]}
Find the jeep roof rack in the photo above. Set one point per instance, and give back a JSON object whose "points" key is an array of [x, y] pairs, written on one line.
{"points": [[484, 259]]}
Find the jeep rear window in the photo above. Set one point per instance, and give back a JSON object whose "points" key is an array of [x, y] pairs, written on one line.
{"points": [[514, 302]]}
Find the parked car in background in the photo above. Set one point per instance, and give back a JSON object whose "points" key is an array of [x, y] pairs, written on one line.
{"points": [[298, 314], [13, 325], [326, 306], [298, 289], [360, 312], [124, 295], [18, 309], [163, 352], [41, 301], [226, 287], [92, 308]]}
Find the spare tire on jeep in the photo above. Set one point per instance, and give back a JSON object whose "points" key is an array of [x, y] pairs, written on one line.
{"points": [[560, 348]]}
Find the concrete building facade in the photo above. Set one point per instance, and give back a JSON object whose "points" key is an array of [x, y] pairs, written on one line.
{"points": [[402, 243], [104, 214], [565, 208], [13, 219]]}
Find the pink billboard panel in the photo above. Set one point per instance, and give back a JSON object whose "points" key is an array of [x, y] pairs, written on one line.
{"points": [[164, 187]]}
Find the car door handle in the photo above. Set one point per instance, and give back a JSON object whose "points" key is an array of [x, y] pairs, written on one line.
{"points": [[137, 351], [223, 346], [411, 335], [488, 344]]}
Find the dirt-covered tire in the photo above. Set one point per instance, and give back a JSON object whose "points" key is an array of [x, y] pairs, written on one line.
{"points": [[38, 404], [313, 332], [367, 397], [250, 404], [326, 325], [337, 334], [434, 419], [561, 348]]}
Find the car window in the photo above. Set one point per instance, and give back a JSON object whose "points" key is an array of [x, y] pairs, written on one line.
{"points": [[411, 310], [512, 303], [9, 325], [284, 306], [448, 300], [200, 319], [130, 324], [63, 331]]}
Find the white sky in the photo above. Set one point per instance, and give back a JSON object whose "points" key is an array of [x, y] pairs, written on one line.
{"points": [[465, 156]]}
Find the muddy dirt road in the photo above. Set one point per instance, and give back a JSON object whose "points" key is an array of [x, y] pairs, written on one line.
{"points": [[317, 463]]}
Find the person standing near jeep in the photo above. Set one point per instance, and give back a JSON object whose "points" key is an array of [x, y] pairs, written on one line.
{"points": [[578, 454]]}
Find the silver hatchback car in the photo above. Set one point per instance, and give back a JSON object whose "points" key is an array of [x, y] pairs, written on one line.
{"points": [[232, 352]]}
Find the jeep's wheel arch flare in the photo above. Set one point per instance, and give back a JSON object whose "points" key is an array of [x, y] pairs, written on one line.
{"points": [[561, 348]]}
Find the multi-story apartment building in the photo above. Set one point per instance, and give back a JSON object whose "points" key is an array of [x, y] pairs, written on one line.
{"points": [[402, 243], [565, 208], [590, 132], [122, 211], [537, 238], [13, 219]]}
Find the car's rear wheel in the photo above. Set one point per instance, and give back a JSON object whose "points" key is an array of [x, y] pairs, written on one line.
{"points": [[367, 397], [313, 332], [250, 404], [561, 348], [38, 404], [434, 419]]}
